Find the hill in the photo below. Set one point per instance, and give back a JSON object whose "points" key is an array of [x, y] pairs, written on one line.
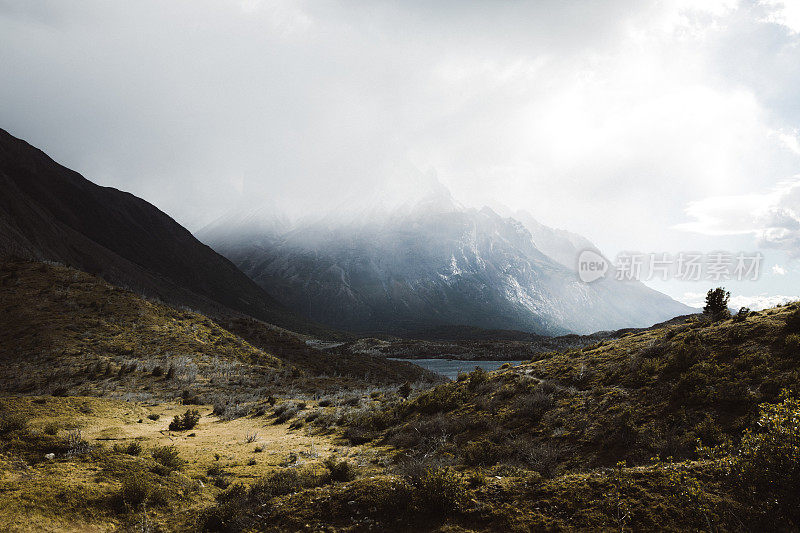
{"points": [[65, 332], [689, 427], [49, 212]]}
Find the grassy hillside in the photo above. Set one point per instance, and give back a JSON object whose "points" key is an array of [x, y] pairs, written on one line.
{"points": [[65, 332], [692, 426], [682, 428], [652, 393]]}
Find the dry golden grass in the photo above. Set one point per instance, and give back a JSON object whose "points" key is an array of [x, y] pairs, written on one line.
{"points": [[73, 493]]}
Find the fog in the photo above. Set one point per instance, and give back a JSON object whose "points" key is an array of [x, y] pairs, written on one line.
{"points": [[649, 125]]}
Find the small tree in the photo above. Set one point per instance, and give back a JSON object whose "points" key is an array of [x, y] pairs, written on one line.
{"points": [[717, 304], [187, 420]]}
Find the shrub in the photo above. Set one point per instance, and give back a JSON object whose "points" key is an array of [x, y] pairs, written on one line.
{"points": [[187, 420], [216, 470], [157, 371], [442, 398], [358, 435], [767, 467], [167, 457], [285, 412], [440, 491], [75, 444], [132, 448], [339, 470], [533, 406], [742, 315], [153, 416], [477, 378], [235, 506], [251, 437], [190, 398], [136, 489], [482, 452]]}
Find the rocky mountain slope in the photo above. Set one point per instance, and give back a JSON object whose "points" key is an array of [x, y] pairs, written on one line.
{"points": [[429, 265], [49, 212]]}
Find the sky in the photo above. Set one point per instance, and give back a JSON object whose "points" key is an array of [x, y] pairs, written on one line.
{"points": [[645, 125]]}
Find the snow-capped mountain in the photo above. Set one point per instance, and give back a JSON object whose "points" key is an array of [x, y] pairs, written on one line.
{"points": [[433, 263]]}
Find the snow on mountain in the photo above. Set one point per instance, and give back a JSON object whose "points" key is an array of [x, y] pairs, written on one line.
{"points": [[410, 266]]}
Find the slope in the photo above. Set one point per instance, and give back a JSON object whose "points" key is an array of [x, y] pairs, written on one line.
{"points": [[50, 212]]}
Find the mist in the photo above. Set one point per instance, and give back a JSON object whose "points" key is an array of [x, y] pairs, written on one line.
{"points": [[639, 124]]}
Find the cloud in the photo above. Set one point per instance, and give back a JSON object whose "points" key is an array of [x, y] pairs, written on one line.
{"points": [[784, 12], [579, 112], [773, 218], [756, 303]]}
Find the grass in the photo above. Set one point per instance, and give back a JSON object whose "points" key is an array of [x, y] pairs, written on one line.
{"points": [[98, 489], [691, 426]]}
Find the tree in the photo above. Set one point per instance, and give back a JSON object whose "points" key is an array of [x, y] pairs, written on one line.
{"points": [[717, 304], [404, 390]]}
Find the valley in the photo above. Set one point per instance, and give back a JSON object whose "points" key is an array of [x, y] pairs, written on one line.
{"points": [[147, 384]]}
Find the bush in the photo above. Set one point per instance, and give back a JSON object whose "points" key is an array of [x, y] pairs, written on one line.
{"points": [[132, 448], [153, 416], [167, 457], [235, 507], [482, 452], [216, 470], [187, 420], [190, 398], [477, 378], [136, 489], [533, 406], [339, 470], [768, 468], [440, 491], [742, 315], [75, 444], [285, 412]]}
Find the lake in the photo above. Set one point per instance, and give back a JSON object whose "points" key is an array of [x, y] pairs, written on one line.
{"points": [[452, 367]]}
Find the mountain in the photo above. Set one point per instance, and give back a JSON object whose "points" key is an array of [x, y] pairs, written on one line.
{"points": [[430, 264], [49, 212]]}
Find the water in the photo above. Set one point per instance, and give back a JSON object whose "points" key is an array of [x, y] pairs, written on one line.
{"points": [[452, 367]]}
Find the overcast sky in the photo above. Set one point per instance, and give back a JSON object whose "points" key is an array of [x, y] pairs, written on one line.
{"points": [[645, 125]]}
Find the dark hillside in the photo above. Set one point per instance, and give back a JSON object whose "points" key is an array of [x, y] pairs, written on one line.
{"points": [[49, 212]]}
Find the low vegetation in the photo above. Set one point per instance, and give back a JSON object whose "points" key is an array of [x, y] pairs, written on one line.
{"points": [[162, 420]]}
